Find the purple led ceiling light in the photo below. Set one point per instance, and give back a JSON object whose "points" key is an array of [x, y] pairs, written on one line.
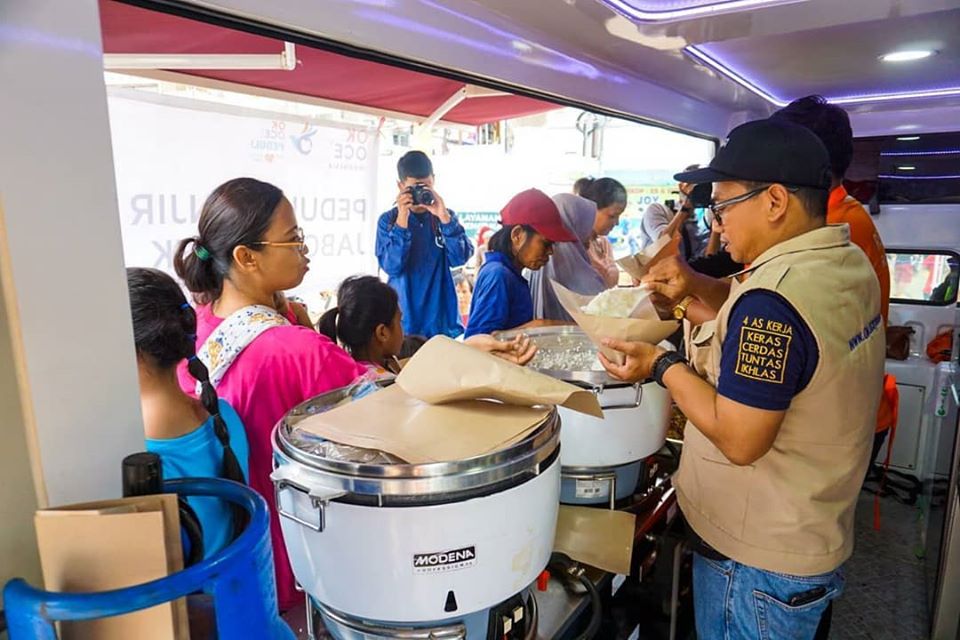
{"points": [[712, 61], [665, 10]]}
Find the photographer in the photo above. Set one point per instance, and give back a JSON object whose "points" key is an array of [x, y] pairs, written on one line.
{"points": [[665, 219], [418, 242]]}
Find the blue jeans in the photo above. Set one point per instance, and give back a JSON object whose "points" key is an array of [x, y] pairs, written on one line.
{"points": [[735, 602]]}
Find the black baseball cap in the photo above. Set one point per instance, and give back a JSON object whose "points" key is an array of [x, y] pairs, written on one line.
{"points": [[770, 150]]}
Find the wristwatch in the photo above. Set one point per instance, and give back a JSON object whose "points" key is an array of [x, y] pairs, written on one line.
{"points": [[664, 362], [680, 311]]}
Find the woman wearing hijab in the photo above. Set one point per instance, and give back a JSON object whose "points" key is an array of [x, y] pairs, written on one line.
{"points": [[570, 264]]}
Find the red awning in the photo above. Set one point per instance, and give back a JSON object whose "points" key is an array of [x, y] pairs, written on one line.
{"points": [[320, 74]]}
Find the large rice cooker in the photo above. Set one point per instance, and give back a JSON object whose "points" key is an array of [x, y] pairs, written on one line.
{"points": [[602, 459], [388, 549]]}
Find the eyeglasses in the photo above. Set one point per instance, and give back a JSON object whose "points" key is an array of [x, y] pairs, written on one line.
{"points": [[716, 208], [299, 243]]}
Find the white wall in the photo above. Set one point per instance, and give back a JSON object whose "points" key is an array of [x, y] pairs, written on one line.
{"points": [[63, 265], [919, 226]]}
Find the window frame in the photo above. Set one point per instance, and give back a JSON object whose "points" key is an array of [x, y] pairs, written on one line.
{"points": [[925, 252]]}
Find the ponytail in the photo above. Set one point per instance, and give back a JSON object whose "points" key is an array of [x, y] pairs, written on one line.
{"points": [[196, 267], [363, 304], [327, 325], [231, 465]]}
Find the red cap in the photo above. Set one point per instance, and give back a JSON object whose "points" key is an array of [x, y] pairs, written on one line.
{"points": [[535, 208]]}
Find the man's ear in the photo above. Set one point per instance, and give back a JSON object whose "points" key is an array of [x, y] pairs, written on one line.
{"points": [[778, 198]]}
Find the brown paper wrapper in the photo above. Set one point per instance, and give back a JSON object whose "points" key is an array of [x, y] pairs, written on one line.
{"points": [[598, 327], [638, 264], [392, 421], [444, 370], [598, 537]]}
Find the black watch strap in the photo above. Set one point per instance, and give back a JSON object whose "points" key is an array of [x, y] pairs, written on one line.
{"points": [[663, 363]]}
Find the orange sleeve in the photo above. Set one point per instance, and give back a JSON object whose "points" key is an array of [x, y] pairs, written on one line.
{"points": [[863, 233]]}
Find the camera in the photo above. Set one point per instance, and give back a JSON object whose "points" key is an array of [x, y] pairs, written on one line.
{"points": [[701, 195], [421, 194]]}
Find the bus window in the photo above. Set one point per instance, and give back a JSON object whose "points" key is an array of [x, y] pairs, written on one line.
{"points": [[923, 277]]}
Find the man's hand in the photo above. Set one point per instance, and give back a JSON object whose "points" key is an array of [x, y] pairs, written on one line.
{"points": [[670, 278], [438, 208], [404, 204], [519, 351], [639, 363]]}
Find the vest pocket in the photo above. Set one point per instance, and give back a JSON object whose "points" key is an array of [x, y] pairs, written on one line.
{"points": [[724, 492], [700, 349]]}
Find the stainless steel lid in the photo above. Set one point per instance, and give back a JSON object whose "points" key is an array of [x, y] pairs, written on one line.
{"points": [[386, 476], [566, 353]]}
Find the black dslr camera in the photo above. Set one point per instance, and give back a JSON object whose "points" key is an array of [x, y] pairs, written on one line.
{"points": [[421, 194]]}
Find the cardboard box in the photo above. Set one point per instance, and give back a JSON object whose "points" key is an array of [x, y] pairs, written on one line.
{"points": [[99, 546]]}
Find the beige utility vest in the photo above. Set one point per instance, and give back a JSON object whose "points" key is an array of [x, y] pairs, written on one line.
{"points": [[792, 510]]}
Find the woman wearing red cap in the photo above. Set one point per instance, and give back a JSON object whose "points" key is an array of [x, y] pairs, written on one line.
{"points": [[501, 297]]}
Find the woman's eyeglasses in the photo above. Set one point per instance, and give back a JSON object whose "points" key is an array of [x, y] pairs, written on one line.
{"points": [[299, 242]]}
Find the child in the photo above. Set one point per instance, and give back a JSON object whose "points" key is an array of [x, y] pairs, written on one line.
{"points": [[194, 438], [367, 323]]}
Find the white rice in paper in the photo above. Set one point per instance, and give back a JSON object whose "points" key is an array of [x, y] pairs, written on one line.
{"points": [[617, 302]]}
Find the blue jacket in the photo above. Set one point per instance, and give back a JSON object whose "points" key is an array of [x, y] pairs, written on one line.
{"points": [[501, 297], [418, 260]]}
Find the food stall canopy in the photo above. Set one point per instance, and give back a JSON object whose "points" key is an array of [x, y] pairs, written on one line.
{"points": [[318, 73]]}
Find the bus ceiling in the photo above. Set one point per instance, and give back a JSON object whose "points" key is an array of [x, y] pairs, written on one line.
{"points": [[700, 66]]}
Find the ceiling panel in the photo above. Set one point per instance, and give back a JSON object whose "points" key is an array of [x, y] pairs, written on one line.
{"points": [[844, 60]]}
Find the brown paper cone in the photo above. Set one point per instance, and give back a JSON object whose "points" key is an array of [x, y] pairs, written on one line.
{"points": [[597, 327], [638, 264]]}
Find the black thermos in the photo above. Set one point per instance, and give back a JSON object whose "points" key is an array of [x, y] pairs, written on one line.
{"points": [[142, 475]]}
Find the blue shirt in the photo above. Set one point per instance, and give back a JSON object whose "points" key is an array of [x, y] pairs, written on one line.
{"points": [[418, 260], [769, 353], [501, 297], [199, 454]]}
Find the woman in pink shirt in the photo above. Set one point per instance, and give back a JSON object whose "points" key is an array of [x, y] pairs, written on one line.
{"points": [[262, 362]]}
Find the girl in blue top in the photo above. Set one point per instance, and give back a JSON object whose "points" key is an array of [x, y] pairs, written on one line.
{"points": [[501, 297], [194, 438]]}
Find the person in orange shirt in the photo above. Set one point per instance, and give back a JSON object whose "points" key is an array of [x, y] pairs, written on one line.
{"points": [[832, 125]]}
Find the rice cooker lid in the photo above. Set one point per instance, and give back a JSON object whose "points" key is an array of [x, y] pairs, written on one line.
{"points": [[365, 471], [565, 352]]}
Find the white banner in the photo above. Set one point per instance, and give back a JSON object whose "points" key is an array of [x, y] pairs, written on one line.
{"points": [[170, 153]]}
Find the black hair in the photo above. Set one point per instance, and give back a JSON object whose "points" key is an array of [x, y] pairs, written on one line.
{"points": [[582, 184], [164, 330], [411, 344], [501, 242], [831, 124], [814, 200], [363, 303], [414, 164], [605, 192], [238, 212]]}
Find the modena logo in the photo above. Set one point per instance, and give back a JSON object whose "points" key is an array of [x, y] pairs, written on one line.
{"points": [[442, 561]]}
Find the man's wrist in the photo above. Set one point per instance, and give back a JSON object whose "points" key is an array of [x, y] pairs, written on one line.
{"points": [[663, 362]]}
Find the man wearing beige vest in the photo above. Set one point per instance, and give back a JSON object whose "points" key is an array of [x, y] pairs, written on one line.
{"points": [[783, 401]]}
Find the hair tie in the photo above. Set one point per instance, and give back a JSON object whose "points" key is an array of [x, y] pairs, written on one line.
{"points": [[201, 252], [192, 358], [192, 336], [185, 306]]}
